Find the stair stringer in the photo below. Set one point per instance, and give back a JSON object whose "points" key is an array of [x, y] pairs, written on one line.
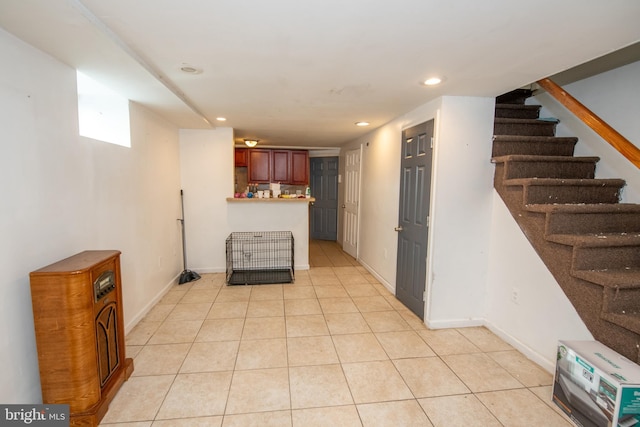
{"points": [[587, 297]]}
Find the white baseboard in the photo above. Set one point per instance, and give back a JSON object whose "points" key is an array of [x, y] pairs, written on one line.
{"points": [[454, 323], [209, 270], [138, 317], [379, 278], [542, 361]]}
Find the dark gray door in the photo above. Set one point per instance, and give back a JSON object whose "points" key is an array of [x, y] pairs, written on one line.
{"points": [[415, 186], [324, 188]]}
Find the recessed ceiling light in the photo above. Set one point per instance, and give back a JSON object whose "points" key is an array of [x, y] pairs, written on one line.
{"points": [[362, 123], [190, 69], [432, 81], [221, 119]]}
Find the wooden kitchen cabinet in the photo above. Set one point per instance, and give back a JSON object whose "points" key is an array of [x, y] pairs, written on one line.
{"points": [[299, 167], [259, 165], [278, 166], [281, 166], [241, 156]]}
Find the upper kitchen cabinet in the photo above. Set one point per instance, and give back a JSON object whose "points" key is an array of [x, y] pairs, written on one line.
{"points": [[269, 165], [281, 165], [259, 165], [242, 157], [299, 167]]}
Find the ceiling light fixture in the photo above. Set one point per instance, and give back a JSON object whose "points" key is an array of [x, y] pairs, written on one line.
{"points": [[221, 119], [432, 81], [189, 69], [362, 123], [251, 142]]}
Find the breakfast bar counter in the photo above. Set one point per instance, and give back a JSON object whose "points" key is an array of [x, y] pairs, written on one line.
{"points": [[272, 199], [274, 214]]}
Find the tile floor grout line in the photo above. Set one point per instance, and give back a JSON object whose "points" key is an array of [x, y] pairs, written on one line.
{"points": [[343, 283]]}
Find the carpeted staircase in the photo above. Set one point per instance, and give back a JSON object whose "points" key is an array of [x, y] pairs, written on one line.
{"points": [[588, 240]]}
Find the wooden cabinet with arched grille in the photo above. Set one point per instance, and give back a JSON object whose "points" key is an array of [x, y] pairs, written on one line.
{"points": [[77, 312]]}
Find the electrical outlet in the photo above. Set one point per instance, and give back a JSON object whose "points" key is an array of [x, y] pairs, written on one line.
{"points": [[515, 295]]}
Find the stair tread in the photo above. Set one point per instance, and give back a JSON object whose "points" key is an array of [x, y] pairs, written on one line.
{"points": [[526, 121], [522, 137], [515, 96], [596, 240], [628, 320], [613, 278], [536, 158], [595, 182], [519, 106], [585, 208], [525, 138]]}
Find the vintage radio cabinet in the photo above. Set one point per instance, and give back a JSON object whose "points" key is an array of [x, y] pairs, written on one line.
{"points": [[77, 311]]}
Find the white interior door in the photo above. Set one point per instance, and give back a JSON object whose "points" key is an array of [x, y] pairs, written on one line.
{"points": [[351, 202]]}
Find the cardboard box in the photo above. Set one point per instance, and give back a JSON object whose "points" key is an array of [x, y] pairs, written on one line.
{"points": [[595, 386]]}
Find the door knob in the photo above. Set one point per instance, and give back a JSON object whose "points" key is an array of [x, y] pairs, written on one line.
{"points": [[398, 228], [344, 206]]}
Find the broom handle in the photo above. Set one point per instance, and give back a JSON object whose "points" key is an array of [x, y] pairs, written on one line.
{"points": [[184, 241]]}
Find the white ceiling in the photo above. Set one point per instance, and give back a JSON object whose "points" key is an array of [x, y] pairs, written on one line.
{"points": [[302, 72]]}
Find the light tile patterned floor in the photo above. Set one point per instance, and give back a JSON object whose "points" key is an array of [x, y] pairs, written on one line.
{"points": [[333, 349]]}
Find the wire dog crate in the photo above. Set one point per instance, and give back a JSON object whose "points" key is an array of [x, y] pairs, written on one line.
{"points": [[255, 258]]}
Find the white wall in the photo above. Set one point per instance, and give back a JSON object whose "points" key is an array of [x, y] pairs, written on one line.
{"points": [[275, 216], [207, 171], [63, 194], [136, 197], [380, 192], [478, 253], [524, 303], [613, 96], [460, 210]]}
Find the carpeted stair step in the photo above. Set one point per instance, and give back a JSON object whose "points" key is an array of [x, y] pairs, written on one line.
{"points": [[531, 127], [586, 219], [589, 241], [610, 253], [527, 166], [517, 96], [629, 320], [610, 261], [553, 190], [535, 145], [626, 278], [517, 111], [597, 251]]}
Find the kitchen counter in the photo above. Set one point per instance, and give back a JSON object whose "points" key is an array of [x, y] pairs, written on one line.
{"points": [[278, 200], [249, 215]]}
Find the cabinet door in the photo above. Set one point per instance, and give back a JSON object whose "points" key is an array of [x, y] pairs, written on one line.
{"points": [[259, 165], [241, 157], [107, 340], [300, 167], [281, 166]]}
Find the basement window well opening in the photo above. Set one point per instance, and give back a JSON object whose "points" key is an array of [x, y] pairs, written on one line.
{"points": [[102, 114]]}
